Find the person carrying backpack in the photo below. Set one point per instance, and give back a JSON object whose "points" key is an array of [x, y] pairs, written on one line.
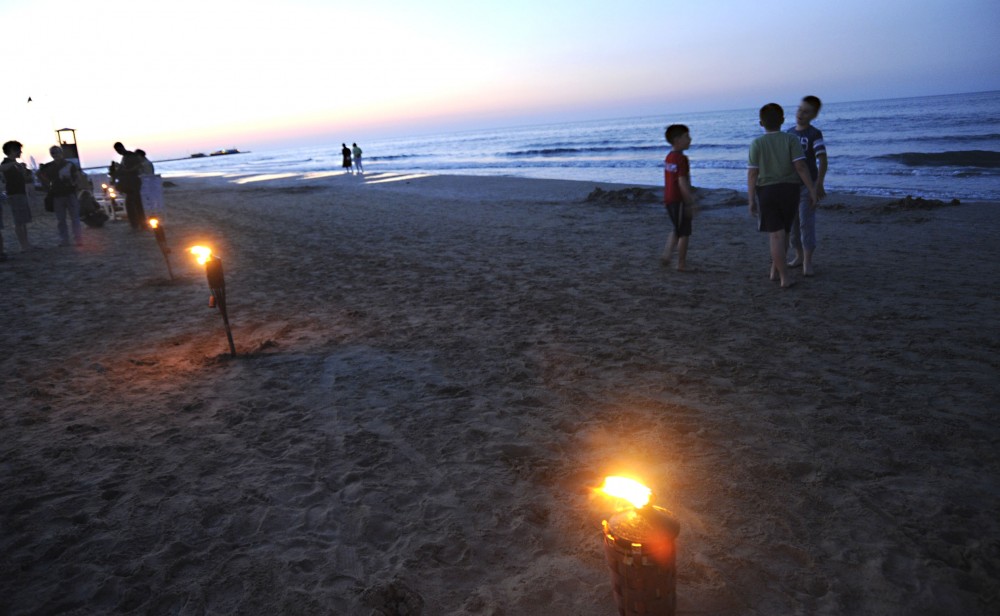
{"points": [[62, 178]]}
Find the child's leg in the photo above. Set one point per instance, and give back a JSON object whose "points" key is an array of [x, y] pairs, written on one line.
{"points": [[668, 248], [797, 232], [778, 240], [808, 217], [682, 251]]}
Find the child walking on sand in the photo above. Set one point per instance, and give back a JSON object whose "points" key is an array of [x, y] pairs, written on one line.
{"points": [[776, 158], [677, 196], [803, 235]]}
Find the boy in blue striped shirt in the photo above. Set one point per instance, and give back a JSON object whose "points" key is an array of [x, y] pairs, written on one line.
{"points": [[803, 233]]}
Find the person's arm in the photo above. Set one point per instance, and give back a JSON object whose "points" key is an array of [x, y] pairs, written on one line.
{"points": [[821, 163], [803, 171], [752, 174], [687, 194]]}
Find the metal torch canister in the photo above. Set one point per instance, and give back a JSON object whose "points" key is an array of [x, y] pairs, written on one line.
{"points": [[640, 545], [213, 271]]}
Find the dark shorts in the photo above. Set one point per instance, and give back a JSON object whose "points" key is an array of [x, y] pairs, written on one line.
{"points": [[20, 210], [779, 205], [681, 218]]}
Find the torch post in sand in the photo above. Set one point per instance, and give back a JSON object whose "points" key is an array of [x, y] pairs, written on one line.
{"points": [[217, 283], [161, 240], [640, 547]]}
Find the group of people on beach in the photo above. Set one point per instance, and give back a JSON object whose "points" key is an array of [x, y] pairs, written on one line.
{"points": [[785, 175], [351, 152], [68, 192]]}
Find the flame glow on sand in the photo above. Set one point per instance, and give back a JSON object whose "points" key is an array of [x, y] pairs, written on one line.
{"points": [[626, 489], [202, 253], [154, 223]]}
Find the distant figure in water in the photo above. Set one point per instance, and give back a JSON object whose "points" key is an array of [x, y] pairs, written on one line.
{"points": [[357, 158], [346, 151]]}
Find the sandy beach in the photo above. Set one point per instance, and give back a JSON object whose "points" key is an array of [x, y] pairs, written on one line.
{"points": [[433, 374]]}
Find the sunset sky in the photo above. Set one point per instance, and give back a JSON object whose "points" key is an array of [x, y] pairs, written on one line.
{"points": [[190, 76]]}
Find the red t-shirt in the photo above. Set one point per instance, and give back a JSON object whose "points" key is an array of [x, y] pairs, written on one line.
{"points": [[675, 165]]}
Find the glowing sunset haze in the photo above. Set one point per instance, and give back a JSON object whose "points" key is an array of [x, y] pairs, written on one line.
{"points": [[182, 77]]}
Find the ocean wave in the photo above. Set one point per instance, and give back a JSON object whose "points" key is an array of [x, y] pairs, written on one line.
{"points": [[391, 157], [938, 138], [621, 149], [559, 151], [964, 158]]}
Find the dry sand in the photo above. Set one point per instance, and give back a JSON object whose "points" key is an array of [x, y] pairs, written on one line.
{"points": [[434, 373]]}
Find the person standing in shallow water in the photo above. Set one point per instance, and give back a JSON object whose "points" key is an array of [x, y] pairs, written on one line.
{"points": [[346, 152], [357, 158]]}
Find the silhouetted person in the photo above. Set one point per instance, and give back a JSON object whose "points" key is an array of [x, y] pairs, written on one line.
{"points": [[16, 177], [357, 158], [129, 182], [146, 164], [62, 177], [346, 152]]}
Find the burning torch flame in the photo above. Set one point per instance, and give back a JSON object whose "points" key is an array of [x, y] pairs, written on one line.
{"points": [[202, 253], [627, 489], [154, 223]]}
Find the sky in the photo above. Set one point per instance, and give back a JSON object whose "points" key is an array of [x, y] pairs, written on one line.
{"points": [[181, 76]]}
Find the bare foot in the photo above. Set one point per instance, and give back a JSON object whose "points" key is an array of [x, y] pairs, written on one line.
{"points": [[795, 263], [787, 284], [807, 270]]}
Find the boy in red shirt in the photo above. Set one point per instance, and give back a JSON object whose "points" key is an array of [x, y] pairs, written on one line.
{"points": [[677, 196]]}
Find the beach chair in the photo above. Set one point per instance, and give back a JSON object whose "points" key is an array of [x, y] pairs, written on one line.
{"points": [[109, 199]]}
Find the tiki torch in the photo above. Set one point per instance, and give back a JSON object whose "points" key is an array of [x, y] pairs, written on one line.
{"points": [[217, 283], [161, 240], [640, 547]]}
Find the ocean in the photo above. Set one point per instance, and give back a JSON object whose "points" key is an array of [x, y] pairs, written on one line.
{"points": [[940, 147]]}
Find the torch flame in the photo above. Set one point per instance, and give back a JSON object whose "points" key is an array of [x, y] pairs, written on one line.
{"points": [[202, 253], [627, 489], [154, 223]]}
